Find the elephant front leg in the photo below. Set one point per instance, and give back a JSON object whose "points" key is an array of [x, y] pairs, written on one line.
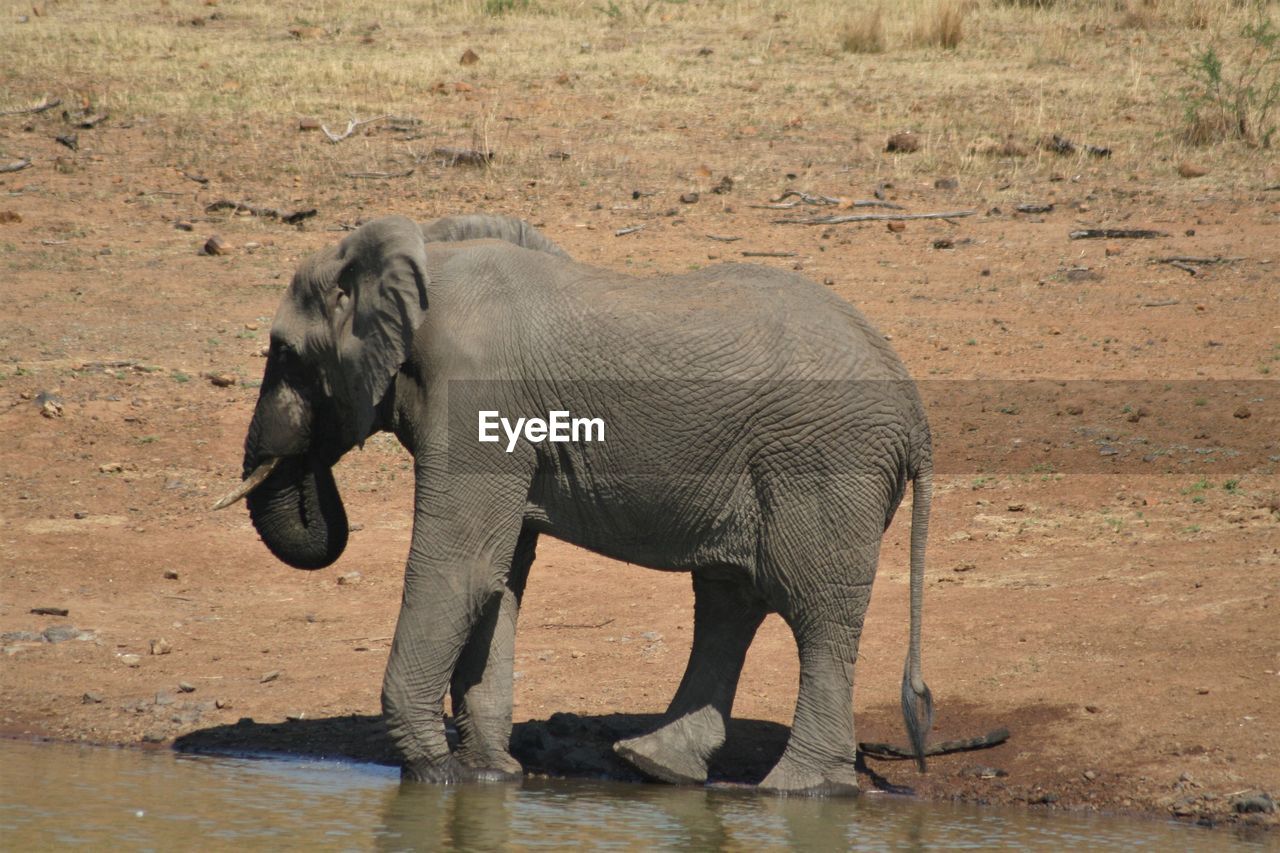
{"points": [[482, 688], [459, 560], [726, 616]]}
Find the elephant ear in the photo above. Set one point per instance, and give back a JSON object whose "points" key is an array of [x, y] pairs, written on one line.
{"points": [[374, 310]]}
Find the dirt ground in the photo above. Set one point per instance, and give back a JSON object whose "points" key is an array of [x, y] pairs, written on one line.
{"points": [[1104, 571]]}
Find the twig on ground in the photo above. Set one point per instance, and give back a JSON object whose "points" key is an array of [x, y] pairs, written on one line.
{"points": [[554, 625], [289, 217], [781, 203], [47, 104], [1162, 303], [768, 254], [463, 156], [889, 752], [720, 239], [15, 166], [1185, 267], [1116, 234], [352, 126], [403, 174], [875, 217], [1188, 259], [622, 232]]}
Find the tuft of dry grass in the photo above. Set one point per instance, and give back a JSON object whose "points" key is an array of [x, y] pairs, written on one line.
{"points": [[940, 24], [864, 33]]}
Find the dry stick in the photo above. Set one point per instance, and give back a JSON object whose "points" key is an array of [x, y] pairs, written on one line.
{"points": [[720, 239], [889, 752], [290, 217], [47, 104], [768, 254], [1162, 303], [1116, 234], [1187, 259], [15, 166], [406, 173], [553, 625], [875, 217], [825, 199], [1184, 267], [622, 232], [351, 128]]}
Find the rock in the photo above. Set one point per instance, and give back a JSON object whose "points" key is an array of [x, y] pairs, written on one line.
{"points": [[469, 57], [651, 636], [221, 380], [51, 409], [1090, 775], [164, 699], [1202, 691], [903, 143], [111, 467], [50, 611], [21, 637], [268, 677], [186, 687], [92, 699], [293, 718], [350, 579], [1092, 709], [1074, 410], [1242, 413], [724, 186], [153, 737], [1192, 170], [946, 184], [184, 225], [689, 198], [307, 123], [1017, 507], [896, 227], [161, 647], [1046, 799], [965, 567], [170, 575], [80, 515], [1253, 802], [130, 659], [62, 633], [944, 243], [215, 245], [979, 771], [10, 217]]}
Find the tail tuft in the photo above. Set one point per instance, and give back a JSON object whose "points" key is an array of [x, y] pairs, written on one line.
{"points": [[919, 719]]}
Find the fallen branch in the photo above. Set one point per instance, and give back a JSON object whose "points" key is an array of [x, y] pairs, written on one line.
{"points": [[1185, 267], [768, 254], [781, 203], [47, 104], [290, 217], [1116, 234], [15, 166], [406, 173], [889, 752], [1061, 145], [352, 125], [1187, 259], [1162, 303], [622, 232], [875, 217], [720, 239]]}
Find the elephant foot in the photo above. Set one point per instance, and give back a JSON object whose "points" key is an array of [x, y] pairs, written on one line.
{"points": [[665, 755], [790, 778], [493, 760], [453, 772]]}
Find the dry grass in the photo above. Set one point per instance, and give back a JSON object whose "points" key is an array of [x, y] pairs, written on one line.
{"points": [[863, 33], [619, 84], [940, 24]]}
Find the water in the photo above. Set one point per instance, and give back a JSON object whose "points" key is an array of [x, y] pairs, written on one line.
{"points": [[58, 796]]}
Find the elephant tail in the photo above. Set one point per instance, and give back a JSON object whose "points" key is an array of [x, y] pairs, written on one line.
{"points": [[917, 701]]}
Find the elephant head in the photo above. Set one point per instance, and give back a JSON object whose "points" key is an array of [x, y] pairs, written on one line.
{"points": [[337, 341]]}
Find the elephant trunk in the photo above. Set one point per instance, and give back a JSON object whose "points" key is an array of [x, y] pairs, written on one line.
{"points": [[299, 514]]}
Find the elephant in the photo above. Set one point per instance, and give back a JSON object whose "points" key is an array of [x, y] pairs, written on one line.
{"points": [[758, 433]]}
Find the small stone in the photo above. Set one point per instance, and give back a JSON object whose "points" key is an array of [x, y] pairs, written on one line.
{"points": [[164, 699], [92, 699], [170, 575], [469, 57], [51, 409], [1017, 507], [577, 654], [300, 715], [944, 243], [268, 677], [61, 633], [251, 327], [80, 514], [946, 184], [689, 198], [131, 660], [219, 703], [1090, 775], [1202, 691], [1092, 709], [350, 579], [215, 245], [184, 225], [896, 227], [965, 567], [1253, 802], [111, 467], [651, 636], [161, 647], [221, 380], [1242, 413], [1075, 410], [903, 143], [186, 687], [1192, 170], [153, 737], [50, 611], [307, 123]]}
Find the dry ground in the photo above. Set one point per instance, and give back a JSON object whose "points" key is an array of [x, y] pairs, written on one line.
{"points": [[1119, 616]]}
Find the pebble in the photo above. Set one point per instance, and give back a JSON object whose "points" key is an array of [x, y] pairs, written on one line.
{"points": [[92, 699], [164, 699], [1090, 775], [186, 687], [62, 633], [170, 575], [131, 660], [161, 647], [153, 737], [269, 676], [215, 245], [219, 703], [1254, 802], [905, 143], [689, 198], [350, 579]]}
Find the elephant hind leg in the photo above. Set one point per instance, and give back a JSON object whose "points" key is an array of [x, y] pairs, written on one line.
{"points": [[726, 616]]}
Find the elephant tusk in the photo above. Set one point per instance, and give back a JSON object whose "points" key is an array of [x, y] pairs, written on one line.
{"points": [[249, 483]]}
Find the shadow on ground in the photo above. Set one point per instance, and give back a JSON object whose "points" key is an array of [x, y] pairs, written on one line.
{"points": [[564, 745]]}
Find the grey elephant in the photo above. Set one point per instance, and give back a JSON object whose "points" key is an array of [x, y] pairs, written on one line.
{"points": [[757, 432]]}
